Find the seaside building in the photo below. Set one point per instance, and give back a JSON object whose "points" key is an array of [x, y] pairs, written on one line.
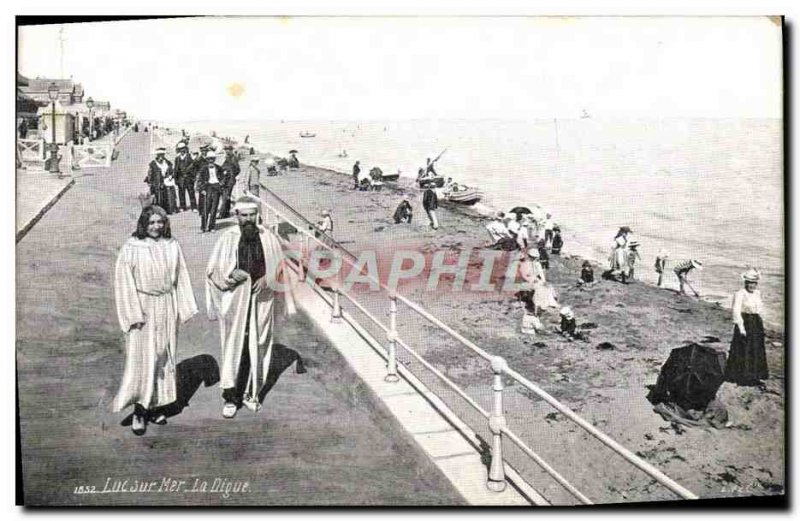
{"points": [[69, 92]]}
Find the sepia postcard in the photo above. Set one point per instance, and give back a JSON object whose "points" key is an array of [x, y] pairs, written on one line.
{"points": [[400, 261]]}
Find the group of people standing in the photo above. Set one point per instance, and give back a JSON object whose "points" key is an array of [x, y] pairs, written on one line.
{"points": [[194, 182]]}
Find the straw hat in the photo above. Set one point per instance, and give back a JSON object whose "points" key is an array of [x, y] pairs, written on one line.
{"points": [[211, 154], [751, 275], [325, 213], [566, 312], [161, 150], [633, 243], [697, 264], [533, 253], [180, 146]]}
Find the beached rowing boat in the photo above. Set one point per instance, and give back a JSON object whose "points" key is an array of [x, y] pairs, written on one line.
{"points": [[436, 181], [390, 177], [467, 196]]}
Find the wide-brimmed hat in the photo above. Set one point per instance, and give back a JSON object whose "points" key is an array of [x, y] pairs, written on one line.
{"points": [[211, 154], [533, 253], [325, 213], [751, 275], [161, 150], [633, 244], [181, 145], [566, 312], [697, 264]]}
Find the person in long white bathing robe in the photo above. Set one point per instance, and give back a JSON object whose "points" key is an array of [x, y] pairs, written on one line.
{"points": [[241, 295], [153, 295]]}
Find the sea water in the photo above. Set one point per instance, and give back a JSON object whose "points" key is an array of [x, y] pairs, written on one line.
{"points": [[708, 189]]}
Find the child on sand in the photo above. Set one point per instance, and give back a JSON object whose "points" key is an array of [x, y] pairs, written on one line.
{"points": [[558, 242], [633, 254], [544, 257], [661, 265], [682, 270], [587, 274], [569, 327]]}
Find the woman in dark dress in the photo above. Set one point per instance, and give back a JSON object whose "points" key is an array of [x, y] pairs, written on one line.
{"points": [[747, 359]]}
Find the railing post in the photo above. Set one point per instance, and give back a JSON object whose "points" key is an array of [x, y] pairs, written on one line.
{"points": [[304, 257], [336, 312], [391, 336], [497, 422]]}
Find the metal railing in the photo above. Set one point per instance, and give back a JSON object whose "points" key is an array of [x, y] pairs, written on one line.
{"points": [[310, 234]]}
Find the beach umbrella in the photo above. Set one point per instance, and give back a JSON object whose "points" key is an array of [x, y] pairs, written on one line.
{"points": [[690, 377], [520, 210]]}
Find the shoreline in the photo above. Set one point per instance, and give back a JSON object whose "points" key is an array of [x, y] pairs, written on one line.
{"points": [[484, 211]]}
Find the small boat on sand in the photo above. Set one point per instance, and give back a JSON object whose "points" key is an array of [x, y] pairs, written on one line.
{"points": [[463, 195], [436, 181], [390, 177], [307, 134]]}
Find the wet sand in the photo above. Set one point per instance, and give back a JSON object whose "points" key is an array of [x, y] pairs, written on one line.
{"points": [[607, 387]]}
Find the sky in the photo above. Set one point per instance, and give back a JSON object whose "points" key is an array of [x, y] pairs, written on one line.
{"points": [[344, 68]]}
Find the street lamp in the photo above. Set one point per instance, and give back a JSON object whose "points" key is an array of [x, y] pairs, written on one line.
{"points": [[52, 92], [90, 104]]}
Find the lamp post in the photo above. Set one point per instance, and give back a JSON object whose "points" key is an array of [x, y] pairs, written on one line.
{"points": [[52, 92], [90, 104]]}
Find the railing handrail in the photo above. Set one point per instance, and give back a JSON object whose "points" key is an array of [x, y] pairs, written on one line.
{"points": [[630, 457]]}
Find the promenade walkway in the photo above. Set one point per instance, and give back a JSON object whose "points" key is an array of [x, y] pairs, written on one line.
{"points": [[321, 439]]}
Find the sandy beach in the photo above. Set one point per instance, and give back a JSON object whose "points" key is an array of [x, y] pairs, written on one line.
{"points": [[608, 387]]}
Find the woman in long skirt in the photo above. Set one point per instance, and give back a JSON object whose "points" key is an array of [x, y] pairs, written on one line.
{"points": [[747, 359], [153, 295]]}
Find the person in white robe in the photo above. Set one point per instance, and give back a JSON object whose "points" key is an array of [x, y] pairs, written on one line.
{"points": [[153, 296], [246, 272]]}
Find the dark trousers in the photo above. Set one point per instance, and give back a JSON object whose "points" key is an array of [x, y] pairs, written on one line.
{"points": [[186, 191], [201, 207], [225, 203], [170, 199], [208, 219], [235, 394]]}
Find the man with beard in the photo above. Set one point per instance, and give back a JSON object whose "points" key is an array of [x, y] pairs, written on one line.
{"points": [[230, 169], [245, 273], [158, 170], [184, 177], [209, 184]]}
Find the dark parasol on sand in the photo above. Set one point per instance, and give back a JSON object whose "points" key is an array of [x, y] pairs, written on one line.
{"points": [[690, 377]]}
